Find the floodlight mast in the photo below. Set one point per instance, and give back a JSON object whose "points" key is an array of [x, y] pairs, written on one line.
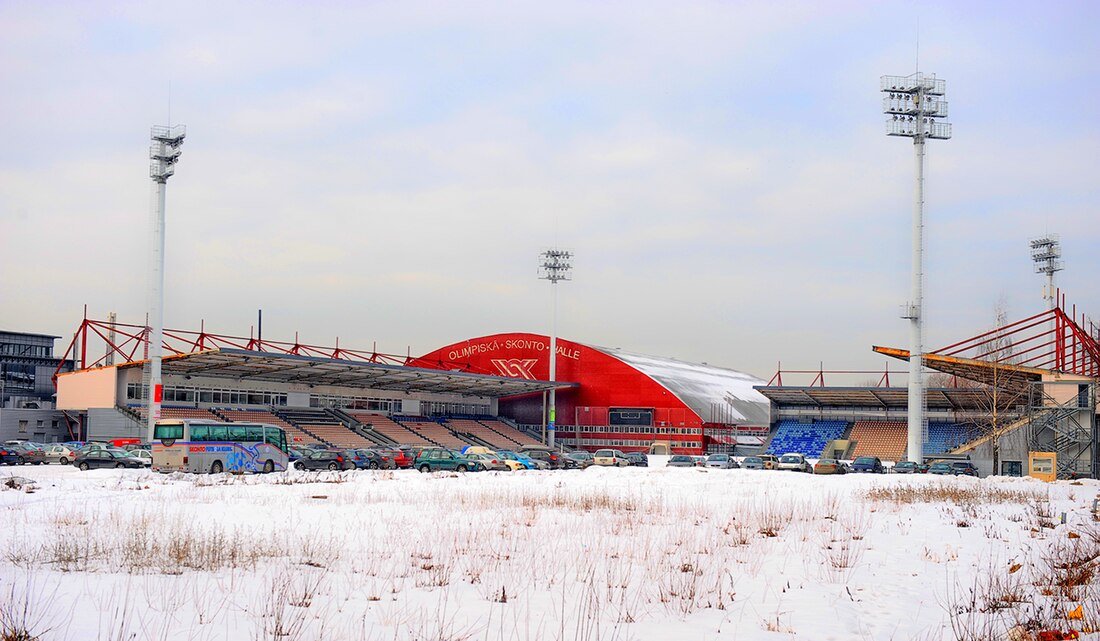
{"points": [[912, 105], [164, 152], [554, 265]]}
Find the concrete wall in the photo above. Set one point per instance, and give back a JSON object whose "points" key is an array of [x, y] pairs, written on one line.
{"points": [[109, 423], [43, 426]]}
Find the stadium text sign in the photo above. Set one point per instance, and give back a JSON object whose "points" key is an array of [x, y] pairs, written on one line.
{"points": [[521, 344]]}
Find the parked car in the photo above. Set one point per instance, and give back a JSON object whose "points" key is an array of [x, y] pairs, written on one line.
{"points": [[638, 459], [830, 466], [870, 464], [294, 453], [794, 462], [29, 453], [578, 460], [909, 467], [377, 459], [59, 454], [963, 468], [528, 464], [761, 462], [940, 467], [437, 458], [680, 460], [613, 458], [492, 462], [552, 458], [324, 460], [11, 456], [401, 459], [700, 461], [100, 458], [145, 456], [722, 462]]}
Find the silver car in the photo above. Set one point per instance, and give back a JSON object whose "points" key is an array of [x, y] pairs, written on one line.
{"points": [[59, 454], [722, 462]]}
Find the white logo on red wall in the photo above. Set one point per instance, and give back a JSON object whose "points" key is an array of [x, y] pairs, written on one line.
{"points": [[515, 367]]}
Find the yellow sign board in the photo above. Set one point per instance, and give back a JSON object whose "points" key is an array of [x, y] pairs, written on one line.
{"points": [[1043, 465]]}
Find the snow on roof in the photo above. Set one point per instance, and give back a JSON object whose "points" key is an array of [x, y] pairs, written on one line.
{"points": [[716, 394]]}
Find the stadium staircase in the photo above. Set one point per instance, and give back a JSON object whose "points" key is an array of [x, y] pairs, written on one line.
{"points": [[475, 430], [359, 428], [968, 446], [323, 426], [390, 428], [433, 431], [808, 439]]}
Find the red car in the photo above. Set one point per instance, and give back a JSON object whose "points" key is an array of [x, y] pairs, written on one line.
{"points": [[401, 458]]}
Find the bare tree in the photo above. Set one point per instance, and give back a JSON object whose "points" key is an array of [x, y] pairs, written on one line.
{"points": [[996, 414]]}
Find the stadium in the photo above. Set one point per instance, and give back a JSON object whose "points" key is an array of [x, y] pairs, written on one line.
{"points": [[1028, 386]]}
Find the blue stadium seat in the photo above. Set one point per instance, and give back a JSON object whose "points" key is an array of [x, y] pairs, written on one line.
{"points": [[946, 436], [808, 439]]}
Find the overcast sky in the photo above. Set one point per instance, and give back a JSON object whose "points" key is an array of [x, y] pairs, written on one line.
{"points": [[388, 172]]}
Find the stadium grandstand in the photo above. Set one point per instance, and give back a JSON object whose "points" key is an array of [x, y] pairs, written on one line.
{"points": [[1027, 386], [488, 391], [1024, 387]]}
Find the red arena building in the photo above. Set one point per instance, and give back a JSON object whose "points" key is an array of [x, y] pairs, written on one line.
{"points": [[618, 399]]}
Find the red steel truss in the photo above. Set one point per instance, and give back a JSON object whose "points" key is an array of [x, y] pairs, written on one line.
{"points": [[1052, 339], [131, 343]]}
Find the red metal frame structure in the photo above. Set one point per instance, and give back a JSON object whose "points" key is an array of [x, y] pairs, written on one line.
{"points": [[132, 340], [1052, 339]]}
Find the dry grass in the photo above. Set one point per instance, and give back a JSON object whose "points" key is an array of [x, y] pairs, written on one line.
{"points": [[956, 494]]}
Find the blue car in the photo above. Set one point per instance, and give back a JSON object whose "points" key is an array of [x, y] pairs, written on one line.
{"points": [[870, 464], [510, 455]]}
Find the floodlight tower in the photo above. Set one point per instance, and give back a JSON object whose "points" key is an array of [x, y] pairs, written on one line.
{"points": [[913, 104], [554, 265], [1046, 251], [164, 152]]}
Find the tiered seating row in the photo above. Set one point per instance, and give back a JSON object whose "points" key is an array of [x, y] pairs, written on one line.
{"points": [[808, 439], [509, 432], [887, 440], [339, 435], [437, 433], [390, 428], [479, 431], [187, 412]]}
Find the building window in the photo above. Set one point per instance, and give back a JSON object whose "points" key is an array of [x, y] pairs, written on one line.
{"points": [[23, 427]]}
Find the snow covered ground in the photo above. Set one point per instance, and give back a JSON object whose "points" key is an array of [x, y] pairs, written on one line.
{"points": [[628, 553]]}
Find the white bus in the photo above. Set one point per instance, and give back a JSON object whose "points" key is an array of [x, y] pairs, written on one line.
{"points": [[207, 446]]}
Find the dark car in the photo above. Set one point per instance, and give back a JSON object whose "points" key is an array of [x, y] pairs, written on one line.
{"points": [[107, 458], [909, 467], [552, 459], [11, 456], [963, 468], [28, 452], [375, 460], [578, 460], [437, 458], [324, 460], [680, 460], [940, 467], [294, 453], [868, 464], [638, 459]]}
